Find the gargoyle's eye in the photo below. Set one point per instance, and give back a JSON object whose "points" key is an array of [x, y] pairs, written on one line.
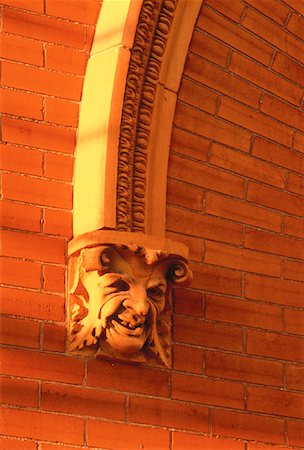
{"points": [[120, 285], [155, 293]]}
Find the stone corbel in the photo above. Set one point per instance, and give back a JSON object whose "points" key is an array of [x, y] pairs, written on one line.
{"points": [[120, 295]]}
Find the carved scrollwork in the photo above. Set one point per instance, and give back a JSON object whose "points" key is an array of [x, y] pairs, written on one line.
{"points": [[120, 302], [179, 272], [145, 63]]}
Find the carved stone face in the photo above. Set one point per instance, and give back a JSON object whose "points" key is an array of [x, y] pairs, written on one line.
{"points": [[130, 302], [120, 303]]}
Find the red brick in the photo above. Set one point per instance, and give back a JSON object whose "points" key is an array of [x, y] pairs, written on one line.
{"points": [[45, 366], [194, 244], [43, 28], [43, 426], [298, 142], [66, 59], [202, 390], [294, 226], [275, 346], [54, 337], [188, 302], [295, 377], [252, 446], [58, 222], [129, 437], [248, 426], [295, 432], [289, 69], [199, 332], [59, 167], [233, 10], [35, 190], [246, 165], [41, 80], [183, 194], [199, 122], [187, 359], [274, 243], [184, 441], [234, 36], [82, 401], [12, 444], [189, 144], [254, 121], [276, 11], [62, 112], [226, 309], [168, 413], [273, 34], [243, 368], [23, 160], [21, 104], [33, 304], [275, 199], [201, 175], [296, 25], [30, 246], [283, 112], [200, 225], [80, 11], [274, 401], [31, 5], [216, 279], [282, 156], [241, 259], [295, 183], [264, 78], [57, 447], [294, 320], [19, 392], [127, 378], [21, 217], [19, 48], [20, 273], [293, 270], [207, 47], [296, 5], [210, 75], [273, 290], [243, 212], [38, 135], [197, 95], [25, 333], [53, 278]]}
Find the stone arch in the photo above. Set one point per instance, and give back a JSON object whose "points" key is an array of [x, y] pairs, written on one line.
{"points": [[128, 105]]}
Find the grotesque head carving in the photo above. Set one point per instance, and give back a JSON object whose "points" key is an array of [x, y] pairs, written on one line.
{"points": [[120, 302]]}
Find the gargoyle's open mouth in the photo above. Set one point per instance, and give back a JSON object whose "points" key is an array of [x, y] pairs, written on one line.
{"points": [[126, 328]]}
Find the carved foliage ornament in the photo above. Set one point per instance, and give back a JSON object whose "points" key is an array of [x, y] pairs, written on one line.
{"points": [[120, 302]]}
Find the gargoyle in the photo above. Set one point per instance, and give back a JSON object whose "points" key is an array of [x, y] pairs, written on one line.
{"points": [[120, 302]]}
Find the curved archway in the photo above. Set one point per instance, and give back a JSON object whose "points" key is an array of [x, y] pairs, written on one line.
{"points": [[128, 105]]}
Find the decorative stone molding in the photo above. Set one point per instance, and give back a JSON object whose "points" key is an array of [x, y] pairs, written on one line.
{"points": [[145, 63], [120, 295]]}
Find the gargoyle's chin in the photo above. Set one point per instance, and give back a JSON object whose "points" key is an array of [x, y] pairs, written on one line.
{"points": [[126, 340]]}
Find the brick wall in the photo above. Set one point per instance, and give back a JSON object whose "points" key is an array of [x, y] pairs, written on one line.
{"points": [[234, 196]]}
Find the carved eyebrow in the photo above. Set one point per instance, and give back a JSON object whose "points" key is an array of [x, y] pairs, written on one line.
{"points": [[120, 284], [158, 283]]}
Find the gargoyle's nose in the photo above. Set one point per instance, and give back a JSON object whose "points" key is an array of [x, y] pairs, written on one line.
{"points": [[137, 302]]}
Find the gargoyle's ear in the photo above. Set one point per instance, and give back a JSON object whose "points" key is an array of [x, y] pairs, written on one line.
{"points": [[102, 258], [178, 272]]}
